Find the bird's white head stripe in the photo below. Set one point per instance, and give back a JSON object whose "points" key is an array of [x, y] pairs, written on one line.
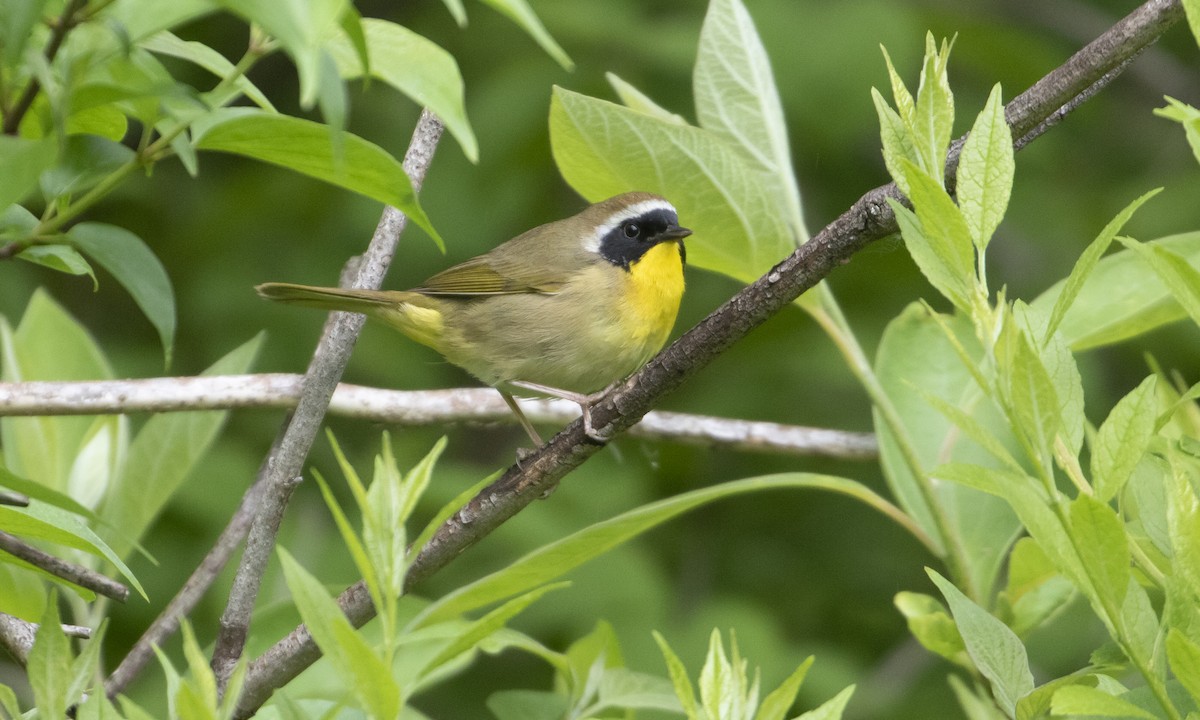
{"points": [[591, 242]]}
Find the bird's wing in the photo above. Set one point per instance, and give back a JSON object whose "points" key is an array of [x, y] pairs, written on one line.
{"points": [[489, 275]]}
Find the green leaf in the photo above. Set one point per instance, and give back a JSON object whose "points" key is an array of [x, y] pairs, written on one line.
{"points": [[309, 149], [86, 666], [1182, 113], [1183, 529], [416, 67], [1192, 10], [995, 649], [49, 669], [1035, 590], [603, 149], [86, 160], [1123, 439], [1030, 393], [197, 53], [973, 429], [49, 344], [725, 691], [474, 632], [43, 522], [779, 701], [916, 360], [1058, 360], [832, 708], [679, 677], [354, 545], [138, 270], [23, 161], [906, 107], [897, 140], [623, 689], [62, 258], [930, 624], [161, 457], [107, 121], [552, 560], [635, 99], [302, 27], [1074, 700], [37, 491], [139, 19], [1184, 656], [365, 674], [17, 21], [8, 701], [985, 171], [1070, 288], [737, 100], [391, 501], [520, 13], [1140, 624], [1103, 548], [1180, 277], [1122, 298], [933, 115], [937, 237]]}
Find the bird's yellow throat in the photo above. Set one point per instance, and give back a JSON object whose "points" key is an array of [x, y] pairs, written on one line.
{"points": [[655, 289]]}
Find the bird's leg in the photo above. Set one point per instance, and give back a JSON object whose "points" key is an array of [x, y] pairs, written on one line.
{"points": [[585, 403], [516, 410]]}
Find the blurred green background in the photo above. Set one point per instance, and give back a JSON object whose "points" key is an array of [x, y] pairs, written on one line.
{"points": [[794, 574]]}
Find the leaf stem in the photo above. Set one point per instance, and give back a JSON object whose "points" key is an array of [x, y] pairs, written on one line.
{"points": [[828, 315]]}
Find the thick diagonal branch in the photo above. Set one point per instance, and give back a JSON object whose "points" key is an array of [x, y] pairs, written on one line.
{"points": [[869, 219]]}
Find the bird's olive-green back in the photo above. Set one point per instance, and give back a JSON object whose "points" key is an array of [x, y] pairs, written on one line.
{"points": [[540, 260]]}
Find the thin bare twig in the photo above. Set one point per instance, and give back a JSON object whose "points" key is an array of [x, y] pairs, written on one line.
{"points": [[77, 574], [17, 636], [328, 363], [410, 407], [58, 33], [13, 498], [869, 219]]}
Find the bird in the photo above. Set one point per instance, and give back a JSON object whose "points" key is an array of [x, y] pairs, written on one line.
{"points": [[566, 309]]}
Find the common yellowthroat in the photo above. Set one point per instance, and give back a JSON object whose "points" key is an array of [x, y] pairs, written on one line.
{"points": [[564, 309]]}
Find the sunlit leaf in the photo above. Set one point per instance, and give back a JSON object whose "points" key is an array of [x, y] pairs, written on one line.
{"points": [[416, 67], [736, 99], [309, 148], [603, 149], [985, 172], [996, 650]]}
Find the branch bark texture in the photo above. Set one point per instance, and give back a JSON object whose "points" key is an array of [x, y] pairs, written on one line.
{"points": [[869, 219], [411, 407]]}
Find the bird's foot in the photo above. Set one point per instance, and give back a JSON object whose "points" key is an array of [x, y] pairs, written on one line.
{"points": [[585, 403]]}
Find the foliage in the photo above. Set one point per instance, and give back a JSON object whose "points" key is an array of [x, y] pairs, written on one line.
{"points": [[1034, 513]]}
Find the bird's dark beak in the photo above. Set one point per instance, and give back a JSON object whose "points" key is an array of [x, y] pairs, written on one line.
{"points": [[675, 232]]}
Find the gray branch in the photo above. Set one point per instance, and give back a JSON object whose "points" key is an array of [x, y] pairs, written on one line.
{"points": [[56, 566], [283, 468], [17, 636], [869, 219], [410, 407]]}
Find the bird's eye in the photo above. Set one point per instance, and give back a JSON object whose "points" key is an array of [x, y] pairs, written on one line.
{"points": [[632, 230]]}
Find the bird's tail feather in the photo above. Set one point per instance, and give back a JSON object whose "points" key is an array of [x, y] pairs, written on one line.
{"points": [[324, 298]]}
